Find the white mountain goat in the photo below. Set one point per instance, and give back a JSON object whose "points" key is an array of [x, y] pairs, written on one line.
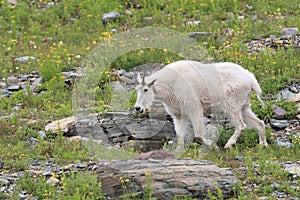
{"points": [[190, 90]]}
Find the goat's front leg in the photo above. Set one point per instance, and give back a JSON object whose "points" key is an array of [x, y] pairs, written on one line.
{"points": [[199, 130], [180, 123]]}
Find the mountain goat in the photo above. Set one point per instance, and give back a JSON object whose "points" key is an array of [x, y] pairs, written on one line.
{"points": [[191, 90]]}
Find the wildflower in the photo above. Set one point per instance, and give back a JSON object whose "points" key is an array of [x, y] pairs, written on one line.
{"points": [[165, 50]]}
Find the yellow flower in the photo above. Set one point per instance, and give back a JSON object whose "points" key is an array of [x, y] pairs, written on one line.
{"points": [[165, 50], [94, 42]]}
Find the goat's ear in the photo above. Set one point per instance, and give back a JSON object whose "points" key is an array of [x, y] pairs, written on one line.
{"points": [[139, 78], [151, 83]]}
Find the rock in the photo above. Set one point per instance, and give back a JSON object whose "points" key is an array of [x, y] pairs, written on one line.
{"points": [[285, 94], [241, 17], [52, 181], [78, 139], [202, 34], [42, 134], [13, 2], [14, 87], [4, 181], [142, 134], [283, 144], [147, 19], [193, 23], [295, 98], [38, 82], [5, 93], [279, 124], [289, 31], [25, 59], [294, 89], [293, 169], [157, 155], [63, 124], [24, 77], [128, 12], [12, 80], [279, 113], [110, 16], [2, 85], [298, 116], [169, 178]]}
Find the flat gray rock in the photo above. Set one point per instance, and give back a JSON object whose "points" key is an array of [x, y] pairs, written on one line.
{"points": [[169, 178]]}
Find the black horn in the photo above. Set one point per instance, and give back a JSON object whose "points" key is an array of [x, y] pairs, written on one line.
{"points": [[144, 75]]}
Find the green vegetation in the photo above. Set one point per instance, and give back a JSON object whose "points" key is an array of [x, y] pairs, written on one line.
{"points": [[61, 35]]}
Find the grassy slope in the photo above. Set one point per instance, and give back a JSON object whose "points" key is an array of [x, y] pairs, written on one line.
{"points": [[24, 30]]}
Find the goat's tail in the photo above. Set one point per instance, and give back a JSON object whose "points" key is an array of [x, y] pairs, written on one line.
{"points": [[257, 90]]}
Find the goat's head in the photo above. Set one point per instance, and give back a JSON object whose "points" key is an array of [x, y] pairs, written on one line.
{"points": [[145, 94]]}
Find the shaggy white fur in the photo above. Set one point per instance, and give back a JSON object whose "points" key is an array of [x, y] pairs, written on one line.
{"points": [[190, 90]]}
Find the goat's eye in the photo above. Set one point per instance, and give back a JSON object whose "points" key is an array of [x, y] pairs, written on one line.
{"points": [[145, 90]]}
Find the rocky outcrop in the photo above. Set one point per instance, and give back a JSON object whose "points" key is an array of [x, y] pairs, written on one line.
{"points": [[166, 178]]}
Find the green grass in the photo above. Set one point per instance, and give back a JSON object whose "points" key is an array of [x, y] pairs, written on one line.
{"points": [[58, 44]]}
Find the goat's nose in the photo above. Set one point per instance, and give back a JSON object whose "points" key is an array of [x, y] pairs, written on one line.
{"points": [[137, 108]]}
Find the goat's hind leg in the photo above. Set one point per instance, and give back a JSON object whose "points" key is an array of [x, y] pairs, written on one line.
{"points": [[253, 122]]}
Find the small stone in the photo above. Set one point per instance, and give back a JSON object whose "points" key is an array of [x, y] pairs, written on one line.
{"points": [[25, 59], [239, 158], [42, 134], [249, 7], [202, 34], [279, 124], [241, 17], [285, 94], [12, 80], [78, 139], [2, 85], [128, 12], [148, 19], [13, 2], [36, 83], [293, 169], [283, 144], [53, 181], [23, 77], [289, 31], [279, 113], [298, 110], [4, 181], [5, 93], [273, 37], [298, 116], [193, 23], [294, 89], [295, 98], [110, 16], [14, 87]]}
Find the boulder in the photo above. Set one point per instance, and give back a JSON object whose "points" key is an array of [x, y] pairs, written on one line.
{"points": [[63, 124], [168, 178]]}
